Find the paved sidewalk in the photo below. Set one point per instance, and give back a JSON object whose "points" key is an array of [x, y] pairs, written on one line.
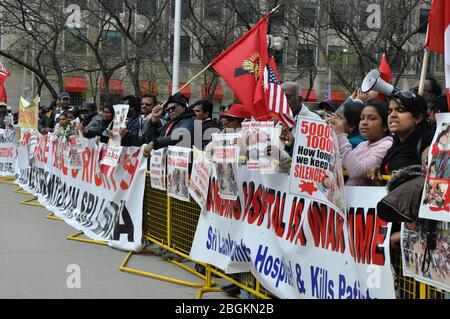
{"points": [[35, 255]]}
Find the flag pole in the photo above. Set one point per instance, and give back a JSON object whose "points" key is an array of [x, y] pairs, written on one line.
{"points": [[423, 73], [196, 76], [209, 65], [275, 9]]}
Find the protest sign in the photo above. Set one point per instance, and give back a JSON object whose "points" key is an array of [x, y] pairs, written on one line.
{"points": [[316, 167], [226, 151], [158, 169], [435, 261], [260, 137], [104, 202], [199, 182], [295, 246], [436, 193], [113, 151], [178, 172]]}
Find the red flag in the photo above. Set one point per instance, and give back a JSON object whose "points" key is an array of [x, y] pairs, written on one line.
{"points": [[438, 35], [385, 70], [3, 76], [275, 98], [242, 64]]}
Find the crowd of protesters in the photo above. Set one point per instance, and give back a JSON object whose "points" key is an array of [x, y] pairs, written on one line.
{"points": [[377, 135]]}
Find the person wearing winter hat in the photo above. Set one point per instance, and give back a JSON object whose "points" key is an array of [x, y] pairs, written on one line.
{"points": [[173, 132]]}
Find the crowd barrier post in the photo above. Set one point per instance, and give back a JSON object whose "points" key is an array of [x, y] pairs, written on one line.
{"points": [[7, 180], [30, 202], [165, 242], [53, 217], [85, 240], [21, 191]]}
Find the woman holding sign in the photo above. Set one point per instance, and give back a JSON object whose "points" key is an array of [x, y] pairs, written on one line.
{"points": [[374, 128]]}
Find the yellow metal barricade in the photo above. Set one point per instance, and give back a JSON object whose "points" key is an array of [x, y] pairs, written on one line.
{"points": [[158, 226]]}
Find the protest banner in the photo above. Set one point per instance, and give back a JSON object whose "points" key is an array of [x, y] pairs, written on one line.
{"points": [[199, 182], [178, 172], [226, 151], [113, 150], [8, 150], [259, 137], [295, 246], [316, 166], [28, 113], [104, 202], [436, 193], [158, 169], [414, 255], [8, 155]]}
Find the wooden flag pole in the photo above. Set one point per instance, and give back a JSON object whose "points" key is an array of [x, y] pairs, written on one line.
{"points": [[190, 81], [423, 73], [209, 65]]}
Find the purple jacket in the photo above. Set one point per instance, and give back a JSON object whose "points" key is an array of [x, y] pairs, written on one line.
{"points": [[365, 156]]}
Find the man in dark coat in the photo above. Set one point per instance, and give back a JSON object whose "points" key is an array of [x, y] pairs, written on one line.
{"points": [[92, 122], [203, 112], [179, 129]]}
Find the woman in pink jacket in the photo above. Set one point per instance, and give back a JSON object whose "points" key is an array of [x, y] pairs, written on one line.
{"points": [[373, 127]]}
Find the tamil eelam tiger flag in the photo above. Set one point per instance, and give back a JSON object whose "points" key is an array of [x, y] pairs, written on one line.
{"points": [[242, 65], [438, 36]]}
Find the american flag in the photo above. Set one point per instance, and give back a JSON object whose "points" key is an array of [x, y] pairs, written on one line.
{"points": [[275, 99]]}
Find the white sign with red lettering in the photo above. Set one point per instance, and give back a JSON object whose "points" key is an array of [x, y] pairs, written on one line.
{"points": [[316, 166]]}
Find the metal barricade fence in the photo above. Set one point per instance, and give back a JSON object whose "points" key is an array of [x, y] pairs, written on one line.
{"points": [[172, 222]]}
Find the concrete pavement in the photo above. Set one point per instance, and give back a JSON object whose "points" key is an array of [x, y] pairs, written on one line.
{"points": [[35, 256]]}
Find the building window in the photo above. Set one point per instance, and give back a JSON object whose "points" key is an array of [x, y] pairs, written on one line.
{"points": [[111, 42], [397, 63], [77, 99], [336, 55], [423, 20], [306, 56], [278, 19], [279, 58], [147, 7], [74, 45], [115, 6], [308, 12], [185, 9], [211, 49], [248, 11], [83, 4], [213, 10], [185, 48]]}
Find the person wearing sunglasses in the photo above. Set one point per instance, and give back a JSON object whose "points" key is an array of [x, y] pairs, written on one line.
{"points": [[147, 104], [408, 122]]}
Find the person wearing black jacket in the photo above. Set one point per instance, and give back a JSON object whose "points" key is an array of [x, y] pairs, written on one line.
{"points": [[107, 124], [92, 122], [203, 112], [179, 129], [47, 121], [408, 122]]}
